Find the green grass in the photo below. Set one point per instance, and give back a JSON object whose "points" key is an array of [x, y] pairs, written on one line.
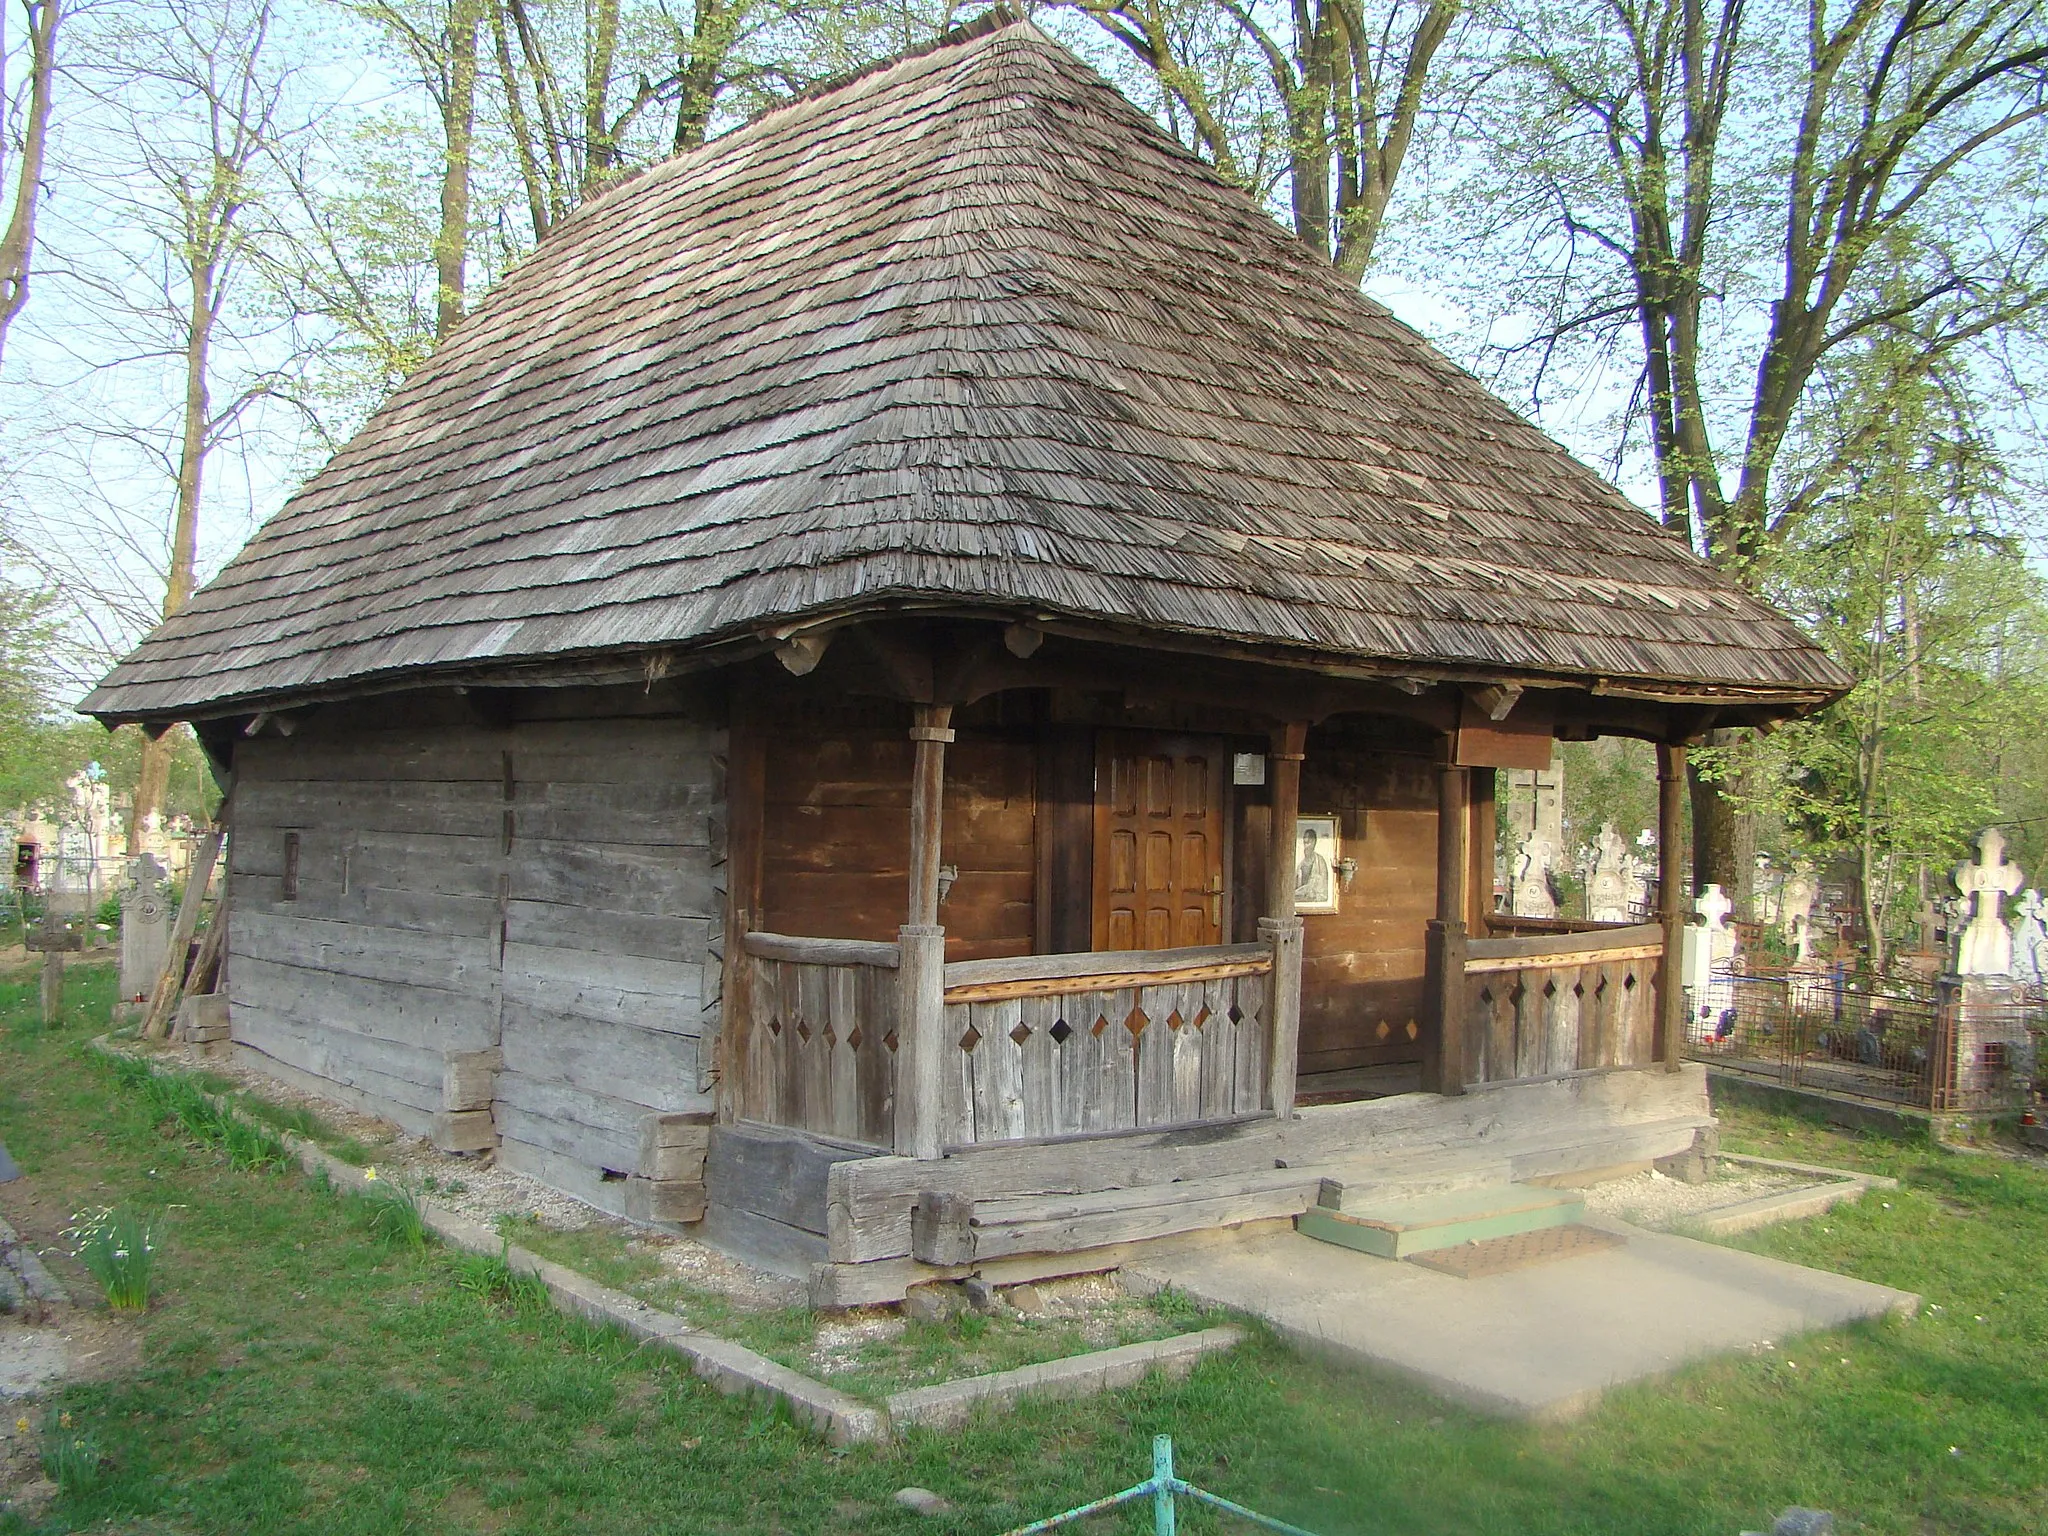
{"points": [[301, 1376], [968, 1345]]}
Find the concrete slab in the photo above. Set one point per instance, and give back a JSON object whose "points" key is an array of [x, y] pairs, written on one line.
{"points": [[1538, 1343]]}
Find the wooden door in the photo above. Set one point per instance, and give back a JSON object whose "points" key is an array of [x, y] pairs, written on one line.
{"points": [[1158, 841]]}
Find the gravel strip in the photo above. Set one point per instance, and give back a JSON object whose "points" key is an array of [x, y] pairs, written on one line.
{"points": [[1653, 1201]]}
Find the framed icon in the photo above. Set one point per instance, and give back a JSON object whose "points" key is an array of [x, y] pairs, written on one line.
{"points": [[1317, 850]]}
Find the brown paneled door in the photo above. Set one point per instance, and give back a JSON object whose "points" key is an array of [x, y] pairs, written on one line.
{"points": [[1158, 841]]}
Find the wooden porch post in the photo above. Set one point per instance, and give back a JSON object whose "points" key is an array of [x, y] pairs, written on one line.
{"points": [[1444, 1070], [1671, 903], [1280, 929], [921, 973]]}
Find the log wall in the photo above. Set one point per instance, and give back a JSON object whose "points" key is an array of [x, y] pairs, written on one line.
{"points": [[517, 921]]}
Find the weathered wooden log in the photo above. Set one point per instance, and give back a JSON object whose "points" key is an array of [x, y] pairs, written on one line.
{"points": [[163, 1000]]}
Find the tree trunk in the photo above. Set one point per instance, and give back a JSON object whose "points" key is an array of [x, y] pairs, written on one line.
{"points": [[1716, 836], [17, 245], [154, 778], [458, 124]]}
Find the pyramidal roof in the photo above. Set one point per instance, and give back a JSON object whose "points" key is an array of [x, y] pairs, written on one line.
{"points": [[966, 330]]}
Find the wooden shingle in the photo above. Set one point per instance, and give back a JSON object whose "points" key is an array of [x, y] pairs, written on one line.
{"points": [[966, 329]]}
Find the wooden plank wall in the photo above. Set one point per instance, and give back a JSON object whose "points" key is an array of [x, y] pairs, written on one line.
{"points": [[835, 837], [546, 890], [1362, 966]]}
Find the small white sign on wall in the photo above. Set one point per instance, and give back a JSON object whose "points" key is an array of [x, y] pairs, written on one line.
{"points": [[1248, 768]]}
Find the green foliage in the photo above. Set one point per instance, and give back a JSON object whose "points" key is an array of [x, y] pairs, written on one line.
{"points": [[1903, 570], [1612, 780], [390, 1212], [175, 1096], [117, 1246], [72, 1460], [491, 1278]]}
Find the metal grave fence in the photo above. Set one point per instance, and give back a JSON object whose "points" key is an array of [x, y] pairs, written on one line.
{"points": [[1854, 1036]]}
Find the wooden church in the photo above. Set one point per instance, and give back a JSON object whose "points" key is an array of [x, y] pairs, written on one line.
{"points": [[920, 690]]}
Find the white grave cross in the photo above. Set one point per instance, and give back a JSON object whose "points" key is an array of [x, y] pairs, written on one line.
{"points": [[1987, 944]]}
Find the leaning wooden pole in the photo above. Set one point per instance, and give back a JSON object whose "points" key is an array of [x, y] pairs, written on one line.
{"points": [[163, 998], [1671, 905], [921, 971]]}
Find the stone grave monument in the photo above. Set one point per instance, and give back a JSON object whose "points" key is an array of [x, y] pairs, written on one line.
{"points": [[1982, 1041], [1532, 895], [1612, 886], [145, 934], [1708, 956]]}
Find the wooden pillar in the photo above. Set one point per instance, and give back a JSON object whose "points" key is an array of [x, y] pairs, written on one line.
{"points": [[921, 970], [1280, 929], [1482, 838], [1671, 903], [1289, 742], [931, 732], [1444, 1070], [1282, 935]]}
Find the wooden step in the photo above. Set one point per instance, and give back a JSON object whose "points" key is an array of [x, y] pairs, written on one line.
{"points": [[1393, 1229]]}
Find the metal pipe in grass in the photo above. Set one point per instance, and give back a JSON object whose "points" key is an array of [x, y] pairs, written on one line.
{"points": [[1165, 1490]]}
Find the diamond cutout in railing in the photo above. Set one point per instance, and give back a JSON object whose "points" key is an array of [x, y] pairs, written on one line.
{"points": [[830, 1037], [1412, 1030], [1486, 996], [890, 1040], [1202, 1018], [1061, 1031], [1101, 1023], [1235, 1015], [1020, 1032], [854, 1038], [970, 1039], [1628, 982], [775, 1028], [803, 1032], [1578, 989], [1174, 1020], [1550, 989], [1515, 997], [1383, 1031], [1600, 986], [1135, 1021]]}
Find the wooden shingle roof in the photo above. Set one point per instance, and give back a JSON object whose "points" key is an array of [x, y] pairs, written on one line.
{"points": [[968, 329]]}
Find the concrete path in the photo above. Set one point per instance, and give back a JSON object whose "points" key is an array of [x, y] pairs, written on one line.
{"points": [[1542, 1342]]}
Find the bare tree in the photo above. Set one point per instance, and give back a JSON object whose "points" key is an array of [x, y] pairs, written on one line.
{"points": [[17, 244], [188, 101], [440, 39], [1346, 86]]}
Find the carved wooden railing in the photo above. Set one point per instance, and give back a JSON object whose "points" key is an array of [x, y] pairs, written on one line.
{"points": [[1542, 1005], [819, 1052], [1050, 1045]]}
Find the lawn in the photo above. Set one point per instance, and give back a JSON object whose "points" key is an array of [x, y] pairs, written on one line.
{"points": [[300, 1375]]}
